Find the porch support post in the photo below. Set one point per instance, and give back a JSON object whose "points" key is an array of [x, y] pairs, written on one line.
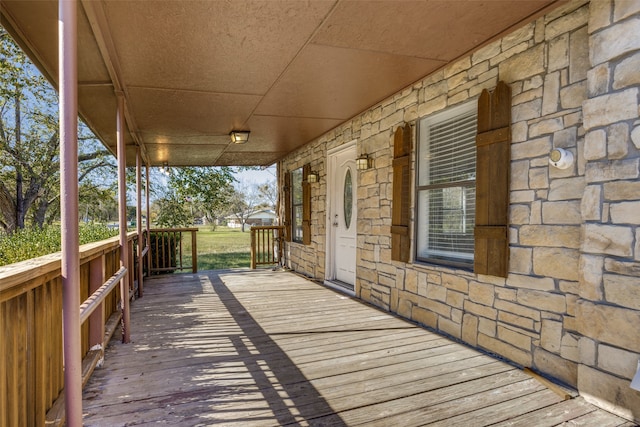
{"points": [[70, 265], [148, 222], [139, 218], [122, 217]]}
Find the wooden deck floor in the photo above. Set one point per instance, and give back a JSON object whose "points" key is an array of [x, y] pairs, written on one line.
{"points": [[258, 348]]}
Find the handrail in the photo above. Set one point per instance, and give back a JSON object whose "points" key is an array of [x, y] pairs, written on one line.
{"points": [[94, 301], [15, 275]]}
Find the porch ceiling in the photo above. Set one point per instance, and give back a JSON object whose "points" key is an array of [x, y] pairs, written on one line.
{"points": [[287, 70]]}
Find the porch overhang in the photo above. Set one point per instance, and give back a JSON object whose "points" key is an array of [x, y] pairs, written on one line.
{"points": [[288, 71]]}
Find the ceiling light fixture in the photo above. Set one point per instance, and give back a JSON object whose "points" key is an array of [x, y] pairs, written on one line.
{"points": [[239, 136], [165, 168]]}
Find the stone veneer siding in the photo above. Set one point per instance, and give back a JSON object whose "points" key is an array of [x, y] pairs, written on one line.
{"points": [[570, 307]]}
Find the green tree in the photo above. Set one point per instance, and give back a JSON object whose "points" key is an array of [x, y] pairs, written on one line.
{"points": [[173, 213], [206, 189], [29, 143], [97, 204]]}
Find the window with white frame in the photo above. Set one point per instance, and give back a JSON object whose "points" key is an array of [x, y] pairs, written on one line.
{"points": [[446, 186]]}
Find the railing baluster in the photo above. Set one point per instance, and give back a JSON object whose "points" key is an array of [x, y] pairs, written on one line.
{"points": [[164, 249], [253, 248], [180, 242], [154, 253], [261, 245]]}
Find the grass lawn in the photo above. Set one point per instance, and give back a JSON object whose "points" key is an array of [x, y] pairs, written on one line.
{"points": [[220, 249]]}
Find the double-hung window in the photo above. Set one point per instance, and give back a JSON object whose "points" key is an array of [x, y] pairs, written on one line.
{"points": [[446, 189]]}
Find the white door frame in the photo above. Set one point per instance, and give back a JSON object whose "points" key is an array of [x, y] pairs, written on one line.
{"points": [[332, 193]]}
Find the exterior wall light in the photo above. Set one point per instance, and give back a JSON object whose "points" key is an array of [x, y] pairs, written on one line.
{"points": [[239, 136], [364, 162], [560, 158], [312, 177]]}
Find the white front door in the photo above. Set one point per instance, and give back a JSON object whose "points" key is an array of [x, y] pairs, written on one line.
{"points": [[342, 216]]}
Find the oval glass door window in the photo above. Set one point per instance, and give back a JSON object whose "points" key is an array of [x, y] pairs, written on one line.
{"points": [[348, 199]]}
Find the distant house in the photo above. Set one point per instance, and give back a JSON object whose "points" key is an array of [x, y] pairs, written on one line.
{"points": [[261, 217]]}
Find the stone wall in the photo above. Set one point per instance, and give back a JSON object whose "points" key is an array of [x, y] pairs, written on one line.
{"points": [[608, 305], [570, 306]]}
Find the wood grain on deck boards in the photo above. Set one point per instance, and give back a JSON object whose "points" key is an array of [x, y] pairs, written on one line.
{"points": [[254, 348]]}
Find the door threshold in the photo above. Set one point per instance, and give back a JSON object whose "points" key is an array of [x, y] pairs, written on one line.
{"points": [[341, 286]]}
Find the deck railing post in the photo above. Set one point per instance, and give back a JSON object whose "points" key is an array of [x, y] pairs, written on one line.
{"points": [[253, 248], [194, 252], [280, 243]]}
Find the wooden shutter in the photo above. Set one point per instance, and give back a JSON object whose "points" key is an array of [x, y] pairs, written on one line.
{"points": [[492, 182], [287, 206], [401, 203], [306, 206]]}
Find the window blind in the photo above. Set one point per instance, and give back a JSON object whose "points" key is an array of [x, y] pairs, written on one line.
{"points": [[451, 151], [446, 192]]}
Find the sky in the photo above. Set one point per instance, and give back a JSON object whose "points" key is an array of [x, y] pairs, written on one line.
{"points": [[256, 177]]}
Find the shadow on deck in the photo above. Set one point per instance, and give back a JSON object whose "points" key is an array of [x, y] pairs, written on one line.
{"points": [[271, 348]]}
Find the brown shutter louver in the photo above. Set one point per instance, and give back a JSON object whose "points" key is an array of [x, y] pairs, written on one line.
{"points": [[287, 206], [401, 203], [306, 206], [493, 163]]}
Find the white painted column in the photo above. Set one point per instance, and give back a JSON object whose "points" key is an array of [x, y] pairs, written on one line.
{"points": [[70, 265]]}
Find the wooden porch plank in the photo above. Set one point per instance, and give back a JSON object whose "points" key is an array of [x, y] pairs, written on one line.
{"points": [[254, 348], [498, 409], [553, 415], [358, 402], [155, 372], [440, 403], [404, 373], [221, 345]]}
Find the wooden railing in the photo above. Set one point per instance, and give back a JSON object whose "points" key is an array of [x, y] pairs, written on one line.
{"points": [[267, 245], [31, 355], [31, 365], [167, 247]]}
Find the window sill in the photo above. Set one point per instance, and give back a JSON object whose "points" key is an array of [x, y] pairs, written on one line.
{"points": [[451, 268]]}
